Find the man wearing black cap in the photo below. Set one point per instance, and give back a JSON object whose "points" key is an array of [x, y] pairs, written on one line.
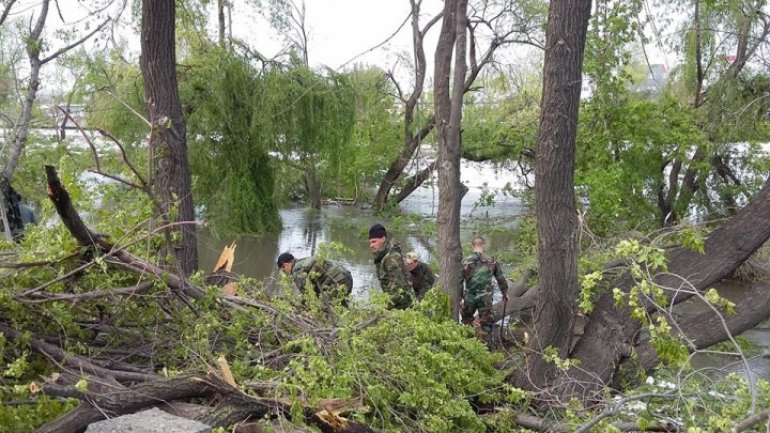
{"points": [[391, 270], [330, 280]]}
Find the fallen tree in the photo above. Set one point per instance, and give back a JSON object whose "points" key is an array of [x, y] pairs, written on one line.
{"points": [[123, 334]]}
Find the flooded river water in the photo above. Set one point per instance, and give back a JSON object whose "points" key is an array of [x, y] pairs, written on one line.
{"points": [[304, 229]]}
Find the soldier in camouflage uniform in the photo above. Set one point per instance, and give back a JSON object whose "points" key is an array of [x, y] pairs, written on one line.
{"points": [[478, 271], [420, 273], [391, 270], [330, 280]]}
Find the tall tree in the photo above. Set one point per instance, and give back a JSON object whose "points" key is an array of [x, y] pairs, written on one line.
{"points": [[171, 178], [35, 44], [502, 23], [311, 119], [449, 89], [557, 225]]}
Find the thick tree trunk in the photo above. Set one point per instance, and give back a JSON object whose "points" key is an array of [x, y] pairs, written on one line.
{"points": [[610, 332], [557, 224], [752, 306], [448, 108], [128, 400], [172, 179]]}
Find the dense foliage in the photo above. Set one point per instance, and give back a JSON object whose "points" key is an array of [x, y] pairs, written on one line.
{"points": [[234, 175], [657, 164]]}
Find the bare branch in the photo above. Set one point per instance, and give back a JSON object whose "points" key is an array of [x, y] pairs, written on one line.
{"points": [[144, 185], [63, 50], [71, 297], [91, 145], [6, 11]]}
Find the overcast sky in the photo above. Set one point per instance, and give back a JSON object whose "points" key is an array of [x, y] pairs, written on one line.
{"points": [[339, 30]]}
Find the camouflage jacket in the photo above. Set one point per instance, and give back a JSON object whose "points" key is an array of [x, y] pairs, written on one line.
{"points": [[478, 271], [393, 276], [423, 279], [322, 275]]}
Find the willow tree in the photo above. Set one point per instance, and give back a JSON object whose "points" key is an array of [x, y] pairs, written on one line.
{"points": [[377, 128], [720, 41], [309, 118], [235, 183]]}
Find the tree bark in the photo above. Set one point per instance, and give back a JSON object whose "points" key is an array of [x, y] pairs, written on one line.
{"points": [[752, 306], [33, 52], [557, 224], [168, 146], [448, 108], [232, 405], [411, 140], [221, 22], [610, 332], [312, 185]]}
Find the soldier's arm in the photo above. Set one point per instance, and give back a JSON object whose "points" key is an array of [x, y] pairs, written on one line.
{"points": [[501, 281], [430, 277], [300, 280]]}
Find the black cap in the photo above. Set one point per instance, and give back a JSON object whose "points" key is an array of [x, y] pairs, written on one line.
{"points": [[377, 231], [285, 258]]}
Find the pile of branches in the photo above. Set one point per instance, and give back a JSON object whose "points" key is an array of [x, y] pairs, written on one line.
{"points": [[115, 366], [112, 381]]}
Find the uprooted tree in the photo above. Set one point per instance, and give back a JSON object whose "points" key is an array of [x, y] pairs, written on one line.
{"points": [[111, 331]]}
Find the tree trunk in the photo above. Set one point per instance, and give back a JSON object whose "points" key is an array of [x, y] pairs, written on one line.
{"points": [[413, 134], [415, 181], [391, 177], [33, 52], [312, 185], [221, 22], [610, 332], [411, 140], [752, 301], [557, 224], [448, 108], [168, 146]]}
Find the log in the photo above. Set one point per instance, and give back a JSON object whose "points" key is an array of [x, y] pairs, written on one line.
{"points": [[98, 406], [232, 405]]}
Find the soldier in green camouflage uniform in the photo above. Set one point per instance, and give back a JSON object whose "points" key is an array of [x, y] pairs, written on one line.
{"points": [[478, 271], [330, 280], [420, 273], [391, 270]]}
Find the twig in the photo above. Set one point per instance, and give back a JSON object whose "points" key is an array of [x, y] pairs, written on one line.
{"points": [[123, 291]]}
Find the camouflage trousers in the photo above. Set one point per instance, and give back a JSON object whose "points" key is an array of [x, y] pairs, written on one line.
{"points": [[481, 302], [338, 291]]}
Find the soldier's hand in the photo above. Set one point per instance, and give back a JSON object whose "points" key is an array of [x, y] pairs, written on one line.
{"points": [[505, 298]]}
